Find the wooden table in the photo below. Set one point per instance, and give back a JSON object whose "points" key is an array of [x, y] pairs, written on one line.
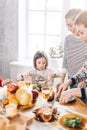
{"points": [[77, 106]]}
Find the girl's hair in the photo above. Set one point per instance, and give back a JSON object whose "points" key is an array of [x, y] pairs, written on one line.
{"points": [[40, 54], [81, 19], [72, 13]]}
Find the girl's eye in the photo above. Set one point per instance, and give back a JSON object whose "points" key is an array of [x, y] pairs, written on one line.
{"points": [[44, 63], [69, 25], [80, 33]]}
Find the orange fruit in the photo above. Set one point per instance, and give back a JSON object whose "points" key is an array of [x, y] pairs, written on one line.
{"points": [[13, 101], [10, 95]]}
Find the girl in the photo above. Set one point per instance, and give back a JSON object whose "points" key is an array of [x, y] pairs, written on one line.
{"points": [[40, 72]]}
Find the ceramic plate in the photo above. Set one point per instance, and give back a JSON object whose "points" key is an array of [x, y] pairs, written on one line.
{"points": [[83, 123]]}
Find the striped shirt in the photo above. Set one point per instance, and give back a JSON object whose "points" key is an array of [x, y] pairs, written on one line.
{"points": [[75, 54]]}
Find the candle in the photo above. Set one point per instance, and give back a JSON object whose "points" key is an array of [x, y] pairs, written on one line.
{"points": [[11, 110]]}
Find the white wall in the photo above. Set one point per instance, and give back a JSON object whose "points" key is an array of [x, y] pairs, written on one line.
{"points": [[8, 35]]}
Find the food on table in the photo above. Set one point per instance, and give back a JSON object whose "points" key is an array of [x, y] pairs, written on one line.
{"points": [[74, 122], [46, 113], [11, 87], [14, 101], [35, 94], [5, 102], [24, 96], [37, 87], [10, 95]]}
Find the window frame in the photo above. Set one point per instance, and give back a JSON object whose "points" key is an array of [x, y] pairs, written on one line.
{"points": [[24, 32]]}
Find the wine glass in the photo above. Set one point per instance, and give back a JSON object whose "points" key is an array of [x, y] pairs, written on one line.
{"points": [[47, 112], [27, 81], [46, 92]]}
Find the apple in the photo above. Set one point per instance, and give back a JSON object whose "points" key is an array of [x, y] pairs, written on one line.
{"points": [[12, 87]]}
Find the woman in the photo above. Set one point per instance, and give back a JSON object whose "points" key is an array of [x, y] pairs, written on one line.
{"points": [[81, 24], [74, 49]]}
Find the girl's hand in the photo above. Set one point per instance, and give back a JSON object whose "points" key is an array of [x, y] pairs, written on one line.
{"points": [[51, 76], [21, 77]]}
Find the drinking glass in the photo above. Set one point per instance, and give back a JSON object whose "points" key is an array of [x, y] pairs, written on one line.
{"points": [[27, 81], [46, 92], [11, 110], [47, 112]]}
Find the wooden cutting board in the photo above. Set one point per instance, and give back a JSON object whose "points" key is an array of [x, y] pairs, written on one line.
{"points": [[78, 106]]}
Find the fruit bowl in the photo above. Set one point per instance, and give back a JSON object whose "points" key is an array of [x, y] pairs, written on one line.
{"points": [[23, 98]]}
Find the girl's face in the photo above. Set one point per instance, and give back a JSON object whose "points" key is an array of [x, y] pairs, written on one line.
{"points": [[82, 31], [70, 25], [41, 63]]}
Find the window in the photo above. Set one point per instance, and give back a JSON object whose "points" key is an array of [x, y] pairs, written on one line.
{"points": [[42, 25]]}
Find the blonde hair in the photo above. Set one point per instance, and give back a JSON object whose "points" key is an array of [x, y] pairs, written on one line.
{"points": [[72, 13], [81, 19]]}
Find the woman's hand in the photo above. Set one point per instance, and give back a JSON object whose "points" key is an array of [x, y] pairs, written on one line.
{"points": [[59, 84], [64, 86], [66, 96], [82, 84]]}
